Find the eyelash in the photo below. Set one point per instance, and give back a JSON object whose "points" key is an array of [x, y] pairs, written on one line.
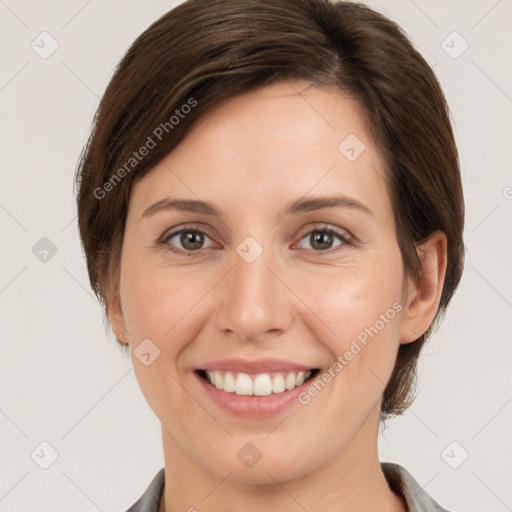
{"points": [[344, 237]]}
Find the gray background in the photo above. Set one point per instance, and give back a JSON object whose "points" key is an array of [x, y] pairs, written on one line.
{"points": [[65, 383]]}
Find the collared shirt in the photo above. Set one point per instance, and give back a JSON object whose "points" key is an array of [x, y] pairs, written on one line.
{"points": [[399, 479]]}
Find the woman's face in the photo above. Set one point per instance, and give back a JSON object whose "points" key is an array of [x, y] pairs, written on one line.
{"points": [[265, 290]]}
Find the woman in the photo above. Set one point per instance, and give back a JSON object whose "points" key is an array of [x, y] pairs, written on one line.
{"points": [[271, 209]]}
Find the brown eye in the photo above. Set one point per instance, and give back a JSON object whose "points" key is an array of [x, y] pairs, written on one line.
{"points": [[191, 240], [185, 240], [323, 239]]}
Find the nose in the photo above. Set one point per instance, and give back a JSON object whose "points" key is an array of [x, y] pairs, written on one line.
{"points": [[254, 300]]}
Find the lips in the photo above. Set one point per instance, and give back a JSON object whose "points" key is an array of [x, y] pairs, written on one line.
{"points": [[254, 403], [254, 366]]}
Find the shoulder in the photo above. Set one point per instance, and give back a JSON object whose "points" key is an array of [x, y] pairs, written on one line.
{"points": [[150, 500], [402, 483]]}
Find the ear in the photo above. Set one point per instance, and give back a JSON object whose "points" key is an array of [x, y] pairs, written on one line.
{"points": [[423, 296], [116, 319]]}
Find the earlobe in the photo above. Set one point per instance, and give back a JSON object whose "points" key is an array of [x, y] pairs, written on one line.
{"points": [[423, 296], [116, 319]]}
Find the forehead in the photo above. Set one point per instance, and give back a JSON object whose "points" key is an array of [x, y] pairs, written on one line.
{"points": [[278, 141], [286, 115]]}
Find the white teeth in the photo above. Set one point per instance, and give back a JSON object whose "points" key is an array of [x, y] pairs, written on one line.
{"points": [[243, 384], [278, 383], [299, 379], [290, 381], [261, 384], [218, 380], [229, 382]]}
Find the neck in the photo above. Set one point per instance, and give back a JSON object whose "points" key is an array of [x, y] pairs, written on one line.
{"points": [[351, 480]]}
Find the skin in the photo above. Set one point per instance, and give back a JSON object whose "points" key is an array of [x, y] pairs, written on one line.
{"points": [[251, 156]]}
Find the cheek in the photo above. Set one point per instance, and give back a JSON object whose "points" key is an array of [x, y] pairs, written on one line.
{"points": [[359, 301], [362, 309], [154, 300], [163, 305], [155, 308]]}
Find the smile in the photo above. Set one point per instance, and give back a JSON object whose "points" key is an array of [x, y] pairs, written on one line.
{"points": [[260, 384]]}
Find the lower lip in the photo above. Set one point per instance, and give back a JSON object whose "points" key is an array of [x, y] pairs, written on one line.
{"points": [[253, 407]]}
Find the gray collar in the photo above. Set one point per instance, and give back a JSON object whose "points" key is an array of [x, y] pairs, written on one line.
{"points": [[401, 482], [399, 479]]}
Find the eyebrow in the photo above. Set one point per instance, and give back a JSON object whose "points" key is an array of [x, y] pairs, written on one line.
{"points": [[300, 206]]}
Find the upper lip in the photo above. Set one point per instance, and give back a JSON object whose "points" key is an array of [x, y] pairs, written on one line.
{"points": [[254, 366]]}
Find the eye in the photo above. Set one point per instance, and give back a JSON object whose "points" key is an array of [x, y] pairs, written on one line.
{"points": [[322, 239], [188, 241], [191, 240]]}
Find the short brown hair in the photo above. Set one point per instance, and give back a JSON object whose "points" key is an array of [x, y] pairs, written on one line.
{"points": [[204, 51]]}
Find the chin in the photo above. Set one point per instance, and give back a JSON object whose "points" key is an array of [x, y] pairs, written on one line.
{"points": [[259, 462]]}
